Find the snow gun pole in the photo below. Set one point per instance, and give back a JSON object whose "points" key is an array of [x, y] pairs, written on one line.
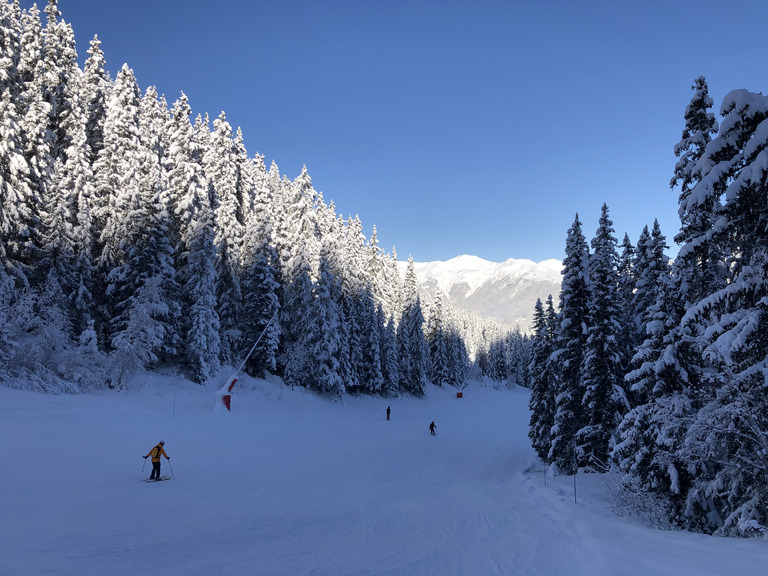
{"points": [[575, 473], [225, 390]]}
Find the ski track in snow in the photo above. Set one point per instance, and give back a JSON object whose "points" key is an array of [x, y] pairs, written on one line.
{"points": [[292, 484]]}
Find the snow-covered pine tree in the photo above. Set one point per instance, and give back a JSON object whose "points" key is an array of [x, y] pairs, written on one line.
{"points": [[652, 274], [78, 179], [437, 343], [221, 169], [374, 266], [10, 48], [66, 213], [259, 206], [321, 339], [727, 442], [137, 257], [481, 357], [665, 376], [297, 276], [23, 244], [701, 263], [604, 401], [385, 278], [8, 343], [94, 94], [651, 264], [542, 382], [695, 442], [42, 349], [517, 368], [371, 370], [14, 174], [153, 113], [649, 440], [61, 81], [195, 253], [280, 194], [458, 364], [510, 341], [497, 361], [116, 177], [260, 305], [640, 297], [57, 251], [354, 317], [246, 176], [626, 294], [570, 344], [737, 158], [390, 366], [411, 343], [394, 286], [259, 286]]}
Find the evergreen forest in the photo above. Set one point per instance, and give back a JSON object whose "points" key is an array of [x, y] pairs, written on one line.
{"points": [[134, 236], [656, 370]]}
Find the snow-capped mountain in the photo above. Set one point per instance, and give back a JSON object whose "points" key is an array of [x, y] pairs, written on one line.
{"points": [[506, 291]]}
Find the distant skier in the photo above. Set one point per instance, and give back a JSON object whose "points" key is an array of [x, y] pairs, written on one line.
{"points": [[432, 429], [387, 412], [156, 452]]}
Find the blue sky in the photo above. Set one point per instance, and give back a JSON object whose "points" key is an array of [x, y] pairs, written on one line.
{"points": [[455, 127]]}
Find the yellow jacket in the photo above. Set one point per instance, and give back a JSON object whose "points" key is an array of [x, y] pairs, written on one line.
{"points": [[156, 452]]}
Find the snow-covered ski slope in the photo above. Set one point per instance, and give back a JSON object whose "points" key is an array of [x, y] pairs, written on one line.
{"points": [[291, 484]]}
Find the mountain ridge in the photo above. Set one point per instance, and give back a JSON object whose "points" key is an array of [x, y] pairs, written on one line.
{"points": [[505, 291]]}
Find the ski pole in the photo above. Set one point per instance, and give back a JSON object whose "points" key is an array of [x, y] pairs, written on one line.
{"points": [[171, 467], [142, 466]]}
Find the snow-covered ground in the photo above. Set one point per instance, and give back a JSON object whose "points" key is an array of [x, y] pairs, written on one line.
{"points": [[288, 483]]}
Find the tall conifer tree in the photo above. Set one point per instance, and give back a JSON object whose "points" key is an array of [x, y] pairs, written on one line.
{"points": [[731, 426], [117, 195], [604, 401], [542, 399], [195, 252], [570, 343], [94, 95], [390, 366], [222, 170], [700, 259], [412, 346]]}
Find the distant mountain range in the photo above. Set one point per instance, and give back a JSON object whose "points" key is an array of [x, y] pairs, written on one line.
{"points": [[505, 291]]}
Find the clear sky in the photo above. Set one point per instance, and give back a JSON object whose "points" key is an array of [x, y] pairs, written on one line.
{"points": [[455, 127]]}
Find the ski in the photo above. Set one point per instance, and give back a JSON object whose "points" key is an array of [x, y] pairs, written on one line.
{"points": [[149, 480]]}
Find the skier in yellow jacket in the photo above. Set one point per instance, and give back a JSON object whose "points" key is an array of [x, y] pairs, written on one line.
{"points": [[156, 452]]}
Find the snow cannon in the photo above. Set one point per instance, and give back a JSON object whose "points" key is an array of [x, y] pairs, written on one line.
{"points": [[225, 394]]}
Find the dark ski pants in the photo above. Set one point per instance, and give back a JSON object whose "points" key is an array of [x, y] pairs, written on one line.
{"points": [[155, 470]]}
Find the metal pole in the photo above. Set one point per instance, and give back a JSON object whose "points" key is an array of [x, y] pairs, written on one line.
{"points": [[574, 487], [251, 350], [171, 467]]}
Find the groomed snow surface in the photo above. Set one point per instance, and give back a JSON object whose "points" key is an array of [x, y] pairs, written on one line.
{"points": [[292, 484]]}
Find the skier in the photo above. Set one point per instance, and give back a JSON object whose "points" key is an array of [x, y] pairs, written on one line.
{"points": [[156, 452], [387, 412], [432, 428]]}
